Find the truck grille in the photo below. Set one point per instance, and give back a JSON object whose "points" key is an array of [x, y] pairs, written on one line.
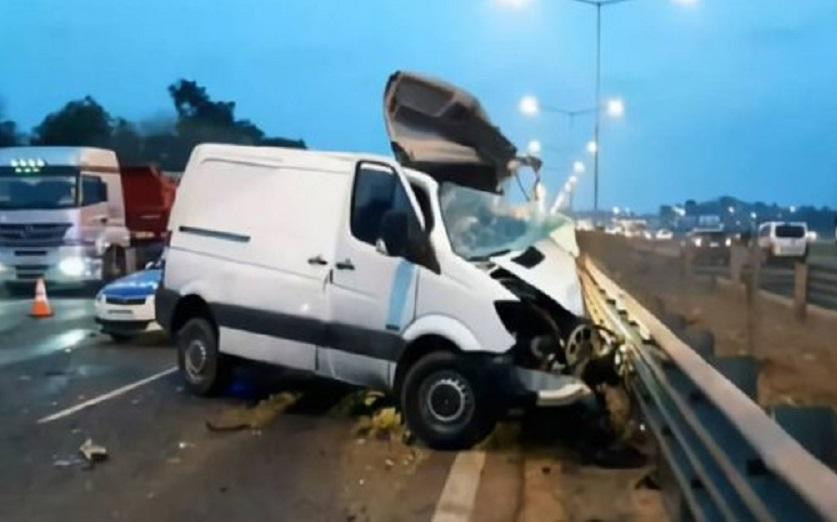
{"points": [[32, 234], [27, 272]]}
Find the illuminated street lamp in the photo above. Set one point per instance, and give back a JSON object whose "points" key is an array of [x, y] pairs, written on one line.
{"points": [[615, 108], [578, 167], [529, 106], [593, 148], [534, 147]]}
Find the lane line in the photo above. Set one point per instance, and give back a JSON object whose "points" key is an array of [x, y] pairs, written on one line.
{"points": [[107, 396], [456, 503]]}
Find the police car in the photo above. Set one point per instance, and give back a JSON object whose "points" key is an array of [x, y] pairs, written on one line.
{"points": [[125, 307]]}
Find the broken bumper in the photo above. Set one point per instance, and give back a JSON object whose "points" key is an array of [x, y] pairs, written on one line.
{"points": [[549, 389]]}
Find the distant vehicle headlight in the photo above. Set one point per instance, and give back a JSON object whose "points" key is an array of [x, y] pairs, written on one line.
{"points": [[698, 241], [72, 266], [728, 242]]}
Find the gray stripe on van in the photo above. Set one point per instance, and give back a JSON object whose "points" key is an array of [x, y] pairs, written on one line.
{"points": [[216, 234], [379, 344]]}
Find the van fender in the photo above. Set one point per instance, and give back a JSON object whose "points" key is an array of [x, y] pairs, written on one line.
{"points": [[447, 327]]}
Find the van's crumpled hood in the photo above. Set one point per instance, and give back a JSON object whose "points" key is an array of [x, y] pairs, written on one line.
{"points": [[555, 275], [443, 131]]}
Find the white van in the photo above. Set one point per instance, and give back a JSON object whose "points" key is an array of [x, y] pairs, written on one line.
{"points": [[354, 267], [782, 239]]}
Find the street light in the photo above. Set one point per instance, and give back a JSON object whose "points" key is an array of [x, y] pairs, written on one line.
{"points": [[593, 148], [615, 108], [578, 167], [534, 147], [529, 106]]}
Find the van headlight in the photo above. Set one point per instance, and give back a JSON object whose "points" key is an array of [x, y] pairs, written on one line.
{"points": [[72, 266]]}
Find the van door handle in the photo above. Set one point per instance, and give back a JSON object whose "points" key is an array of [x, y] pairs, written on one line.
{"points": [[317, 260], [345, 265]]}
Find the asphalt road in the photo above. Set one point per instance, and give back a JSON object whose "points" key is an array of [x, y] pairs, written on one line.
{"points": [[62, 382]]}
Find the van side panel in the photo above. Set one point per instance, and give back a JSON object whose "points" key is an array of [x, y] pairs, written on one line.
{"points": [[243, 235]]}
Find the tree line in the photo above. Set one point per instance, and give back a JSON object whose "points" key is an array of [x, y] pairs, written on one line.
{"points": [[199, 119]]}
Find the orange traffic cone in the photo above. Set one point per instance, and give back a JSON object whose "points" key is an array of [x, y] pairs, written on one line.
{"points": [[40, 307]]}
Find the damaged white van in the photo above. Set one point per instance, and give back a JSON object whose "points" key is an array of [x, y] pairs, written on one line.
{"points": [[412, 275]]}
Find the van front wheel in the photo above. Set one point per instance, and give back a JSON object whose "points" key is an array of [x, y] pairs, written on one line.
{"points": [[444, 402], [200, 363]]}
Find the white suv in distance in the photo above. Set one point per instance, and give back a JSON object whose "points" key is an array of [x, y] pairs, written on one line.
{"points": [[784, 239]]}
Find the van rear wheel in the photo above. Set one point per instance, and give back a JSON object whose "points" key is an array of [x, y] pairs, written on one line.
{"points": [[200, 363], [445, 403]]}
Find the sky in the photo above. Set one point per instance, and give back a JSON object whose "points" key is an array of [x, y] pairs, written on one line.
{"points": [[723, 97]]}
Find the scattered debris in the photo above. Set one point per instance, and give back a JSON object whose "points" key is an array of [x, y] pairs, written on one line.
{"points": [[255, 417], [546, 470], [68, 462], [361, 402], [173, 460], [93, 452], [183, 444], [649, 481], [389, 463]]}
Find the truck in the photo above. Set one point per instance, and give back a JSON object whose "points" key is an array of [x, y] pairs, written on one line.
{"points": [[72, 216], [412, 274]]}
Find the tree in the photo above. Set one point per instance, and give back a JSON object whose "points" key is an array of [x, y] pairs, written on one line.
{"points": [[127, 142], [9, 137], [78, 123]]}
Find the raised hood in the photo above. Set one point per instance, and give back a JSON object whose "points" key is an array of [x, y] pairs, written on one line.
{"points": [[443, 131]]}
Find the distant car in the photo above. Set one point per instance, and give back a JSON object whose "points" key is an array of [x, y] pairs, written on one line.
{"points": [[709, 245], [783, 239], [125, 307], [664, 234]]}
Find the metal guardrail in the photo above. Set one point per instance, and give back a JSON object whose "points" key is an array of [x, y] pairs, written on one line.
{"points": [[730, 459]]}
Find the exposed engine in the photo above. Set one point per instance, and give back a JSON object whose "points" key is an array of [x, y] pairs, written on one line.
{"points": [[551, 338]]}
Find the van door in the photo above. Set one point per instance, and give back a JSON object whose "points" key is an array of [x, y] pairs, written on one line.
{"points": [[372, 293]]}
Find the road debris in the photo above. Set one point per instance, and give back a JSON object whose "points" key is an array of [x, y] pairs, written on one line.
{"points": [[68, 462], [184, 444], [93, 452], [253, 418]]}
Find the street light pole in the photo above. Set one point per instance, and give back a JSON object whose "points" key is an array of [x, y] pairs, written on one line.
{"points": [[598, 109]]}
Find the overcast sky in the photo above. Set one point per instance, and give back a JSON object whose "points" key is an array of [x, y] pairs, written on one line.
{"points": [[731, 97]]}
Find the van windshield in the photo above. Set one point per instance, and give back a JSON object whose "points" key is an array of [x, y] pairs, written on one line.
{"points": [[38, 191], [483, 224]]}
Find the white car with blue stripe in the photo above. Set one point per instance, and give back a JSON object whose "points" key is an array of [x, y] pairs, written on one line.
{"points": [[125, 307]]}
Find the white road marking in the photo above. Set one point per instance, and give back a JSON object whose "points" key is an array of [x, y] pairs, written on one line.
{"points": [[107, 396], [456, 504]]}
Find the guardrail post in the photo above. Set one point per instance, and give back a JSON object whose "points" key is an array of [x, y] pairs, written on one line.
{"points": [[688, 261], [800, 289]]}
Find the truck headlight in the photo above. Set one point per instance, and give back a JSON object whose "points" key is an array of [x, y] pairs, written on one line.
{"points": [[72, 266]]}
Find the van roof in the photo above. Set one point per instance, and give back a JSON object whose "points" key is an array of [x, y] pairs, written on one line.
{"points": [[296, 157], [75, 156]]}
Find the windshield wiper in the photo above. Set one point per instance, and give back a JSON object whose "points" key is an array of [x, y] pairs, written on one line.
{"points": [[486, 257]]}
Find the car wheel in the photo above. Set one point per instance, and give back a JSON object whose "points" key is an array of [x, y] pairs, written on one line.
{"points": [[200, 363], [119, 337], [445, 403]]}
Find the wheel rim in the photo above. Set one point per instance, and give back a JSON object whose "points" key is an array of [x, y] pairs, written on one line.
{"points": [[448, 399], [195, 359]]}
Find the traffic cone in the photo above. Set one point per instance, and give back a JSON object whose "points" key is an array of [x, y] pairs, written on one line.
{"points": [[40, 307]]}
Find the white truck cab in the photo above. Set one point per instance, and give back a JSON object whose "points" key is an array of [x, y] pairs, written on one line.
{"points": [[357, 268], [61, 214]]}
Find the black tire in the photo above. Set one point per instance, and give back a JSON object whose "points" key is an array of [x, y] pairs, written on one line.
{"points": [[441, 385], [202, 367], [119, 337]]}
